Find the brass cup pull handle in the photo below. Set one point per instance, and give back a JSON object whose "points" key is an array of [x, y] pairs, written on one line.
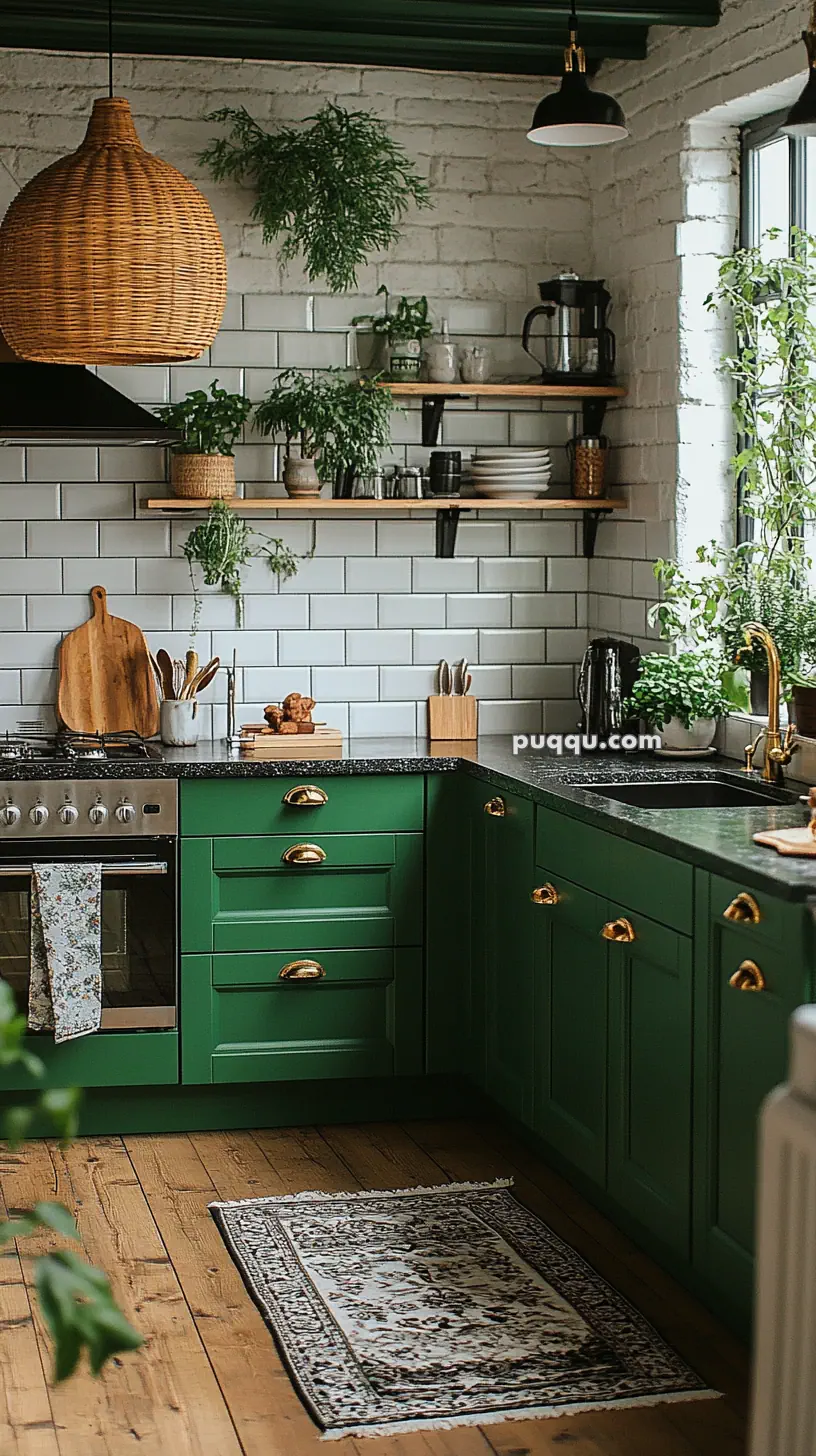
{"points": [[496, 808], [744, 910], [303, 854], [621, 930], [306, 796], [302, 971], [748, 977], [545, 895]]}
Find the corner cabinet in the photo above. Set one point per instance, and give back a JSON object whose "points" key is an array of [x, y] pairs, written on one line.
{"points": [[302, 929]]}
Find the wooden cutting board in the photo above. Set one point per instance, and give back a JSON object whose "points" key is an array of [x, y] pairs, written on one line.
{"points": [[106, 682]]}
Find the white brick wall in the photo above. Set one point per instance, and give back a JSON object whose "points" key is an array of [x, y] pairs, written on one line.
{"points": [[365, 621], [665, 204]]}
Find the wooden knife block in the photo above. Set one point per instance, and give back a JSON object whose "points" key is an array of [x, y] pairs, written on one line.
{"points": [[451, 717]]}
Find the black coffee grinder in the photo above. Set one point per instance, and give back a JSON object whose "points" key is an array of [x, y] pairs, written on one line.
{"points": [[573, 344]]}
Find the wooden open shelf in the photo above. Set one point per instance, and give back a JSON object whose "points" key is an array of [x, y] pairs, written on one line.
{"points": [[447, 510], [593, 399]]}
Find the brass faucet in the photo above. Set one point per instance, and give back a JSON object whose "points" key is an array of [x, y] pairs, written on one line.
{"points": [[778, 751]]}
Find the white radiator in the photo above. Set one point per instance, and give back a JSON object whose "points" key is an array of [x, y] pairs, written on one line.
{"points": [[784, 1394]]}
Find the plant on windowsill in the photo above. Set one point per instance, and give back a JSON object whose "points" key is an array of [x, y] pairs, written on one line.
{"points": [[771, 302], [338, 425], [221, 546], [336, 186], [202, 464], [682, 697], [75, 1298], [401, 332]]}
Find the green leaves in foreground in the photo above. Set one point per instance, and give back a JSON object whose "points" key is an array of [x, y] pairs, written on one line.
{"points": [[75, 1298], [80, 1310]]}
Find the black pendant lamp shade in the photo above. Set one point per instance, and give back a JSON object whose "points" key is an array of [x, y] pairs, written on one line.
{"points": [[801, 119], [575, 115]]}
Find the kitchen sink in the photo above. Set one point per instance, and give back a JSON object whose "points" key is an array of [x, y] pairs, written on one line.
{"points": [[693, 794]]}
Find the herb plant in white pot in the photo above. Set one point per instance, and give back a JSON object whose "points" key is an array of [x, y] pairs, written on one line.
{"points": [[682, 697]]}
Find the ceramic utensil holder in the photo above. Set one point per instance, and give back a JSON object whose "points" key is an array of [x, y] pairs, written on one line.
{"points": [[179, 722], [452, 717]]}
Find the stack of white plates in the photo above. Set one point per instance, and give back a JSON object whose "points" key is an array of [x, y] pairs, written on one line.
{"points": [[497, 473]]}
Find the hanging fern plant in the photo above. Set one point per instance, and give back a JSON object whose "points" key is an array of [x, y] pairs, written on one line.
{"points": [[336, 189]]}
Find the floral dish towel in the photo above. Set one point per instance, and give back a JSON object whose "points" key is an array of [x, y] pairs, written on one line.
{"points": [[65, 983]]}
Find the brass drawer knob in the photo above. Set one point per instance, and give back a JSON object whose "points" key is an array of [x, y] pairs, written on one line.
{"points": [[545, 895], [748, 977], [744, 910], [621, 930], [496, 808], [306, 796], [303, 854], [302, 971]]}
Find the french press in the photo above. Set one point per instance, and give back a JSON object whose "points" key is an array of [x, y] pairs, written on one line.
{"points": [[573, 345]]}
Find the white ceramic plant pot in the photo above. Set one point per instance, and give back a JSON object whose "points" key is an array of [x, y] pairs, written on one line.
{"points": [[179, 725], [699, 736]]}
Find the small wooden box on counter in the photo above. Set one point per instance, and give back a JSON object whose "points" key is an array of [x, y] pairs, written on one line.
{"points": [[452, 717]]}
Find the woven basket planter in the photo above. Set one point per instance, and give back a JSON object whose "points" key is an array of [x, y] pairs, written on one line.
{"points": [[110, 256], [205, 477]]}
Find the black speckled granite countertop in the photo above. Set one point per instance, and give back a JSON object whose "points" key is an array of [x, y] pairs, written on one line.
{"points": [[715, 839]]}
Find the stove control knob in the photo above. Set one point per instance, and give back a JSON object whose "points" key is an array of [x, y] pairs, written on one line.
{"points": [[10, 815], [68, 814], [38, 815], [97, 813], [125, 813]]}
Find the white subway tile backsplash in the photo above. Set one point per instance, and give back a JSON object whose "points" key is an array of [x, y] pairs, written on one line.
{"points": [[344, 611], [345, 538], [482, 538], [565, 644], [543, 681], [542, 538], [311, 351], [544, 609], [467, 428], [514, 717], [281, 610], [412, 611], [12, 614], [55, 462], [517, 645], [345, 684], [29, 503], [254, 649], [10, 687], [382, 720], [514, 574], [264, 685], [372, 574], [62, 538], [129, 462], [146, 383], [405, 538], [60, 612], [479, 610], [245, 348], [13, 537], [217, 611], [271, 311], [28, 649], [133, 538], [12, 464], [432, 646], [312, 649], [320, 574], [399, 684], [379, 647], [107, 502], [433, 575], [29, 575], [567, 574]]}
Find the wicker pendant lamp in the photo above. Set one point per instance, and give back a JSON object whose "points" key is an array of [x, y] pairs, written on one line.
{"points": [[110, 256]]}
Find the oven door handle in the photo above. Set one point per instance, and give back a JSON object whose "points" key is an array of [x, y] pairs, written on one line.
{"points": [[124, 867]]}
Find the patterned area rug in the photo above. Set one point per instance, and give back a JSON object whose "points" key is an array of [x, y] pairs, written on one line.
{"points": [[437, 1307]]}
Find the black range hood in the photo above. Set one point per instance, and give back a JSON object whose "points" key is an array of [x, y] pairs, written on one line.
{"points": [[65, 404]]}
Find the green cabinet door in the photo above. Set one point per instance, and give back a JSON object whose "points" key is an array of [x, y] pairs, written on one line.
{"points": [[454, 949], [571, 1023], [741, 1044], [507, 880], [650, 1075]]}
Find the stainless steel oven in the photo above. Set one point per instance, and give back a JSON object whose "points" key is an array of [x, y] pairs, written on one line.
{"points": [[113, 823]]}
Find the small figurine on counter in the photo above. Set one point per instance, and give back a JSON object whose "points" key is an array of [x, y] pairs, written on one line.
{"points": [[294, 716]]}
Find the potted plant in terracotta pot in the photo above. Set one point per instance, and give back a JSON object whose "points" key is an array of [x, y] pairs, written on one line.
{"points": [[682, 697], [203, 464], [332, 426], [401, 332]]}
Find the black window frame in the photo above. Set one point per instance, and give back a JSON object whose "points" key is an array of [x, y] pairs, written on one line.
{"points": [[753, 137]]}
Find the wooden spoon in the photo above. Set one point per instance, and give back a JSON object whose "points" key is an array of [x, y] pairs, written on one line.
{"points": [[190, 670], [164, 662], [202, 679]]}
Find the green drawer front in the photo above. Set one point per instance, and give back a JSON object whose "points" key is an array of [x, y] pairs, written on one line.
{"points": [[238, 896], [106, 1059], [373, 802], [780, 923], [243, 1024], [640, 878]]}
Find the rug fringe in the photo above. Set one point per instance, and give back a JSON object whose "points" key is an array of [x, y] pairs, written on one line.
{"points": [[316, 1195], [533, 1413]]}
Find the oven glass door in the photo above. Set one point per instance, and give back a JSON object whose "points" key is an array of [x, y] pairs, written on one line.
{"points": [[138, 928]]}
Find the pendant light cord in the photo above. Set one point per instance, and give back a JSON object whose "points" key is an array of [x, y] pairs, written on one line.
{"points": [[110, 47]]}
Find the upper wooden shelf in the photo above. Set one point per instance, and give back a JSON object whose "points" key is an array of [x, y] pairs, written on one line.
{"points": [[510, 391]]}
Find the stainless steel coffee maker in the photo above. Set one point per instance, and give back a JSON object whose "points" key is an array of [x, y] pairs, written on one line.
{"points": [[605, 680], [572, 344]]}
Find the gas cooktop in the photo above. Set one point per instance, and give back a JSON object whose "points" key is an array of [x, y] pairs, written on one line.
{"points": [[33, 744]]}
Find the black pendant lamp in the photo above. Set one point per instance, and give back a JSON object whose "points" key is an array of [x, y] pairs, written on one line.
{"points": [[801, 119], [576, 116]]}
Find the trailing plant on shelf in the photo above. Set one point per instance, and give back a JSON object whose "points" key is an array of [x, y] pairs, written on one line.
{"points": [[688, 692], [339, 424], [75, 1297], [221, 546], [202, 462], [402, 331], [335, 188]]}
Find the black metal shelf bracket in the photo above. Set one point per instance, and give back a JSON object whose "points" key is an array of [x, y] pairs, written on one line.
{"points": [[594, 414], [433, 408], [590, 524], [446, 526]]}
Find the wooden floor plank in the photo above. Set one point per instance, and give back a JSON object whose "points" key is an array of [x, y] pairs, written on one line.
{"points": [[26, 1419]]}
